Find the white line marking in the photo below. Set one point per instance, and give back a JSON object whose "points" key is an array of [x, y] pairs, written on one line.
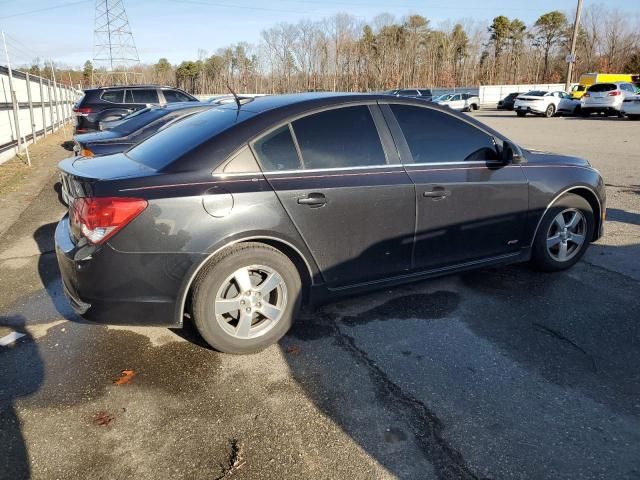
{"points": [[9, 339]]}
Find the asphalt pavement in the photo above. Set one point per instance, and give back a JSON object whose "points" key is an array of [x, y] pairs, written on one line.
{"points": [[501, 373]]}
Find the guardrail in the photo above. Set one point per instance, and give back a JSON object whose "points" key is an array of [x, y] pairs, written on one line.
{"points": [[40, 105]]}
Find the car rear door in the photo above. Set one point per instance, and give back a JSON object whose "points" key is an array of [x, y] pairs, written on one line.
{"points": [[341, 182], [470, 205]]}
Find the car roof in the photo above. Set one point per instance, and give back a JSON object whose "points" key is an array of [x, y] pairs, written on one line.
{"points": [[181, 106], [132, 87]]}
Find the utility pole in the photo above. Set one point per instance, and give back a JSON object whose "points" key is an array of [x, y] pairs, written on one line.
{"points": [[572, 55]]}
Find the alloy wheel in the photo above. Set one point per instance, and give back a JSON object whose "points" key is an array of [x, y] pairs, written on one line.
{"points": [[251, 301], [566, 234]]}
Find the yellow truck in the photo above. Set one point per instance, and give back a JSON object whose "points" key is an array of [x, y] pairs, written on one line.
{"points": [[589, 79]]}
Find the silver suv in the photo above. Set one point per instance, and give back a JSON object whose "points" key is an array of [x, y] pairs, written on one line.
{"points": [[606, 98]]}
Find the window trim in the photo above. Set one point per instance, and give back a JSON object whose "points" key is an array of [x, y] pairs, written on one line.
{"points": [[371, 104], [403, 146]]}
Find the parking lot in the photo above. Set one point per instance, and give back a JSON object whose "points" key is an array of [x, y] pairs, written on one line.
{"points": [[498, 373]]}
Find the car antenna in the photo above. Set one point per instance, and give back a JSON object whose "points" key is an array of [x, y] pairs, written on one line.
{"points": [[235, 95]]}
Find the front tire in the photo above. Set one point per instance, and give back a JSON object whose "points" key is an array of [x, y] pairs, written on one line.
{"points": [[521, 114], [247, 298], [563, 234], [633, 117]]}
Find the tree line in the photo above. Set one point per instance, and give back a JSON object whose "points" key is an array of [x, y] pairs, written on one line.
{"points": [[343, 53]]}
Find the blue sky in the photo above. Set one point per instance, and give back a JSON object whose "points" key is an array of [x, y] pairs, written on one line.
{"points": [[176, 29]]}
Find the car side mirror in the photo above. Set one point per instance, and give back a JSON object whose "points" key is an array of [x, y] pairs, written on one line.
{"points": [[511, 153]]}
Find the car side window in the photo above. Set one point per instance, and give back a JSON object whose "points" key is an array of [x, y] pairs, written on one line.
{"points": [[241, 162], [276, 151], [114, 96], [340, 138], [141, 96], [172, 96], [435, 137]]}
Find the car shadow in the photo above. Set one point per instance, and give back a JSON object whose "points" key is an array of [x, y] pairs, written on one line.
{"points": [[618, 215], [22, 375], [588, 347]]}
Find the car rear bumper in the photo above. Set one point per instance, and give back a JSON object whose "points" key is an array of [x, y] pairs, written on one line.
{"points": [[104, 285], [529, 109], [600, 109]]}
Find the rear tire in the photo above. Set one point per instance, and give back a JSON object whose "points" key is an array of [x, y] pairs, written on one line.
{"points": [[550, 111], [633, 117], [521, 114], [557, 248], [246, 298]]}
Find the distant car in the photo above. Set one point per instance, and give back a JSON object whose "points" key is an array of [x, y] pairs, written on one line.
{"points": [[134, 130], [631, 107], [507, 102], [461, 102], [422, 93], [545, 103], [112, 103], [237, 216], [606, 98]]}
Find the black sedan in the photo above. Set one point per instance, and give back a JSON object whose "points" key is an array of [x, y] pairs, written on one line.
{"points": [[135, 129], [508, 102], [237, 216]]}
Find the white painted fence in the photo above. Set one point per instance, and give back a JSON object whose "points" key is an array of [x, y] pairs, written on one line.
{"points": [[491, 94], [42, 109]]}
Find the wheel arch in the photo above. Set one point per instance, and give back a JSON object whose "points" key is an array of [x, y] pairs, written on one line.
{"points": [[292, 252], [590, 196]]}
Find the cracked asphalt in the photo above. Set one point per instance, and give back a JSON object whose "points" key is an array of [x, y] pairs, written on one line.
{"points": [[497, 373]]}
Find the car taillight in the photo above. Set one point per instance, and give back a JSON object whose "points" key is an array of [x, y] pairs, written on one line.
{"points": [[615, 93], [85, 152], [82, 110], [99, 218], [586, 95]]}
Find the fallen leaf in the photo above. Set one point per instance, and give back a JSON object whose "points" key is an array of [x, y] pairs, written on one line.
{"points": [[125, 377], [293, 349], [102, 419]]}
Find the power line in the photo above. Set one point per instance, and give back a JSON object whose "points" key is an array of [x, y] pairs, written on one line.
{"points": [[54, 7]]}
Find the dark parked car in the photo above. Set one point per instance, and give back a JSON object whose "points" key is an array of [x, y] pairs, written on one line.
{"points": [[135, 129], [507, 102], [235, 217], [112, 103], [422, 93]]}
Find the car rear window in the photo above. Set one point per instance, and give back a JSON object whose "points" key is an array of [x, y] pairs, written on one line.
{"points": [[139, 121], [168, 145], [602, 87], [536, 93]]}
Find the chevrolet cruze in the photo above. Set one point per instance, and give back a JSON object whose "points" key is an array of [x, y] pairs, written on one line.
{"points": [[238, 215]]}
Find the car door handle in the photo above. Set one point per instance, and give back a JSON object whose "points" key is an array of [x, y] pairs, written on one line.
{"points": [[313, 200], [436, 193]]}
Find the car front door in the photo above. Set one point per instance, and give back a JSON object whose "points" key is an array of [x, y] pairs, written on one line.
{"points": [[340, 179], [470, 205]]}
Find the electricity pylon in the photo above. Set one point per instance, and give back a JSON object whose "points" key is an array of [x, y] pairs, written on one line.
{"points": [[115, 56]]}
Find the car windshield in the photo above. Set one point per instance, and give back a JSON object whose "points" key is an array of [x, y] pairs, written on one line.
{"points": [[578, 88], [602, 87], [445, 97], [536, 93], [168, 145]]}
